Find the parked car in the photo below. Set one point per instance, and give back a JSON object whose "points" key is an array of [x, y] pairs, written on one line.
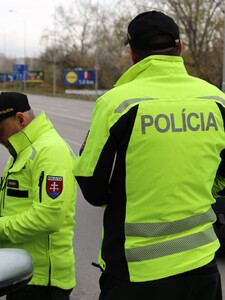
{"points": [[16, 269]]}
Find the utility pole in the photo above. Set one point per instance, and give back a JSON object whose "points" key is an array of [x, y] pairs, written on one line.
{"points": [[24, 45], [223, 79], [96, 53], [54, 55], [4, 56]]}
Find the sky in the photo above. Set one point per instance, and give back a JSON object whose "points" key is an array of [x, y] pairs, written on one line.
{"points": [[22, 23]]}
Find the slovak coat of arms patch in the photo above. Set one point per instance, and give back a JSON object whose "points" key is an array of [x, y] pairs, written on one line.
{"points": [[54, 186]]}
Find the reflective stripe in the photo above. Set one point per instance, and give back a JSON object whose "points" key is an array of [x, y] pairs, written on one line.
{"points": [[129, 102], [171, 247], [167, 228], [33, 154], [215, 98]]}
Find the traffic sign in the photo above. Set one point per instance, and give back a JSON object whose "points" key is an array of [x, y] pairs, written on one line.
{"points": [[20, 72]]}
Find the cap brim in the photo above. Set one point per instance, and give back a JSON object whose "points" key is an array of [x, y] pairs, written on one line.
{"points": [[126, 42]]}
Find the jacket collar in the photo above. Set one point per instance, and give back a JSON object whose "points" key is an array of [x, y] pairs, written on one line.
{"points": [[26, 137], [153, 65]]}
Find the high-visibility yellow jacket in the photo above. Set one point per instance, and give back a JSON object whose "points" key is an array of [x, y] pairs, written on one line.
{"points": [[152, 157], [38, 192]]}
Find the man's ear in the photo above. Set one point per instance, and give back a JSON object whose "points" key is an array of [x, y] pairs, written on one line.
{"points": [[22, 119], [180, 48], [134, 56]]}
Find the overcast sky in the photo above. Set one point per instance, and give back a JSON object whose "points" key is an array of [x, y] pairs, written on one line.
{"points": [[29, 16]]}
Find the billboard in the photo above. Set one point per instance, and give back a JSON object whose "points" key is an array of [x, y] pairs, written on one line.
{"points": [[35, 76], [79, 77], [6, 77]]}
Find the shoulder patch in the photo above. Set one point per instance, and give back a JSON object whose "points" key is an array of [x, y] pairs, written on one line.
{"points": [[54, 186]]}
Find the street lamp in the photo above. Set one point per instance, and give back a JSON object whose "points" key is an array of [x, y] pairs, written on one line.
{"points": [[223, 79], [24, 40], [96, 52], [54, 54], [4, 77]]}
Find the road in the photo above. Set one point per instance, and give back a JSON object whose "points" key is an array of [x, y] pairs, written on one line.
{"points": [[72, 118]]}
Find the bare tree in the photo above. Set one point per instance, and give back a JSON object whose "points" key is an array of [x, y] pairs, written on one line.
{"points": [[74, 27], [87, 34], [201, 26]]}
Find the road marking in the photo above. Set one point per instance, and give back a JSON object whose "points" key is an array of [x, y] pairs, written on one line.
{"points": [[68, 117], [63, 115], [73, 142]]}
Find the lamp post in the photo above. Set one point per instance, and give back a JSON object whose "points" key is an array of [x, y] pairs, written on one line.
{"points": [[96, 53], [54, 70], [4, 43], [54, 56], [24, 43], [223, 78]]}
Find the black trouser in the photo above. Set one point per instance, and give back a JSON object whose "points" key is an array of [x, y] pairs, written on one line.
{"points": [[36, 292], [201, 284]]}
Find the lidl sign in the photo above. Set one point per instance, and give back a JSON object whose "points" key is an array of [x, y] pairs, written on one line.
{"points": [[79, 77]]}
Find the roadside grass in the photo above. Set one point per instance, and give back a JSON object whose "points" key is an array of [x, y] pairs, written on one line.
{"points": [[44, 89]]}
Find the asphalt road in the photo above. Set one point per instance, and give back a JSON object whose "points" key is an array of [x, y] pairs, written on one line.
{"points": [[72, 118]]}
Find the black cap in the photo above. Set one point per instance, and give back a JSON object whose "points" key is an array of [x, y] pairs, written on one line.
{"points": [[11, 103], [145, 26]]}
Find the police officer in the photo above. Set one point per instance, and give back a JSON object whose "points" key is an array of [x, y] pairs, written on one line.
{"points": [[37, 195], [153, 159]]}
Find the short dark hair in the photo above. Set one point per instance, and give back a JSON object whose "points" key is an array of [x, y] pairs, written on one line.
{"points": [[159, 39]]}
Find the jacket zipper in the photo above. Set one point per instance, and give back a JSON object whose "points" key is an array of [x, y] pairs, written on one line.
{"points": [[50, 270], [3, 189], [41, 178], [3, 186]]}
